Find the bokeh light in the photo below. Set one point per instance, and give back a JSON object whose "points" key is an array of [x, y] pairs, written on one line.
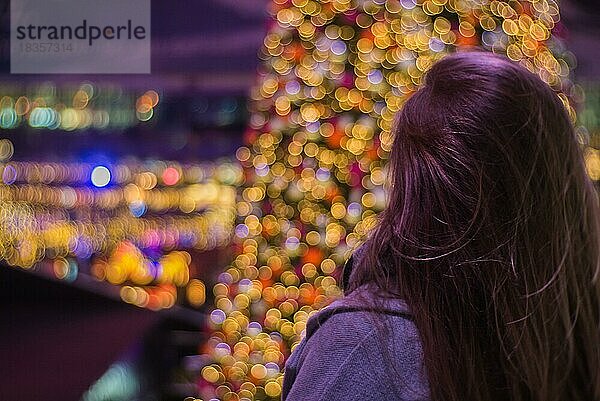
{"points": [[170, 176], [74, 107], [141, 234], [100, 176]]}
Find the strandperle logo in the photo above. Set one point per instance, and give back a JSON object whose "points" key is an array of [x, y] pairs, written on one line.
{"points": [[80, 36], [84, 31]]}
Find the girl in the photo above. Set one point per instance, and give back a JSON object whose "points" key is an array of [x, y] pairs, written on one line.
{"points": [[481, 280]]}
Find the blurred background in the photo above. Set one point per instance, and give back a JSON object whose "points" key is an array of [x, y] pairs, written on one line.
{"points": [[137, 177], [118, 201]]}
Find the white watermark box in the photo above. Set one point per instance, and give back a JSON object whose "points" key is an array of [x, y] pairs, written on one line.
{"points": [[80, 36]]}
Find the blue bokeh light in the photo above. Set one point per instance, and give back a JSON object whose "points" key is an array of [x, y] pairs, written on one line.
{"points": [[100, 176]]}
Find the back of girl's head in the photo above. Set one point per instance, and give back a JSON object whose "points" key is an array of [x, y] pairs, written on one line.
{"points": [[492, 236]]}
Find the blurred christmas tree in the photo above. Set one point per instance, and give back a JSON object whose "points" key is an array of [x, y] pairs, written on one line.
{"points": [[334, 73]]}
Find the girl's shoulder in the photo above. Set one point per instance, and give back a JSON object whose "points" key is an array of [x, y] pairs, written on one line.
{"points": [[342, 345], [359, 307]]}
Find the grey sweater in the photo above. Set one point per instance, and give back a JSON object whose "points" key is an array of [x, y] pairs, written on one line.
{"points": [[343, 356]]}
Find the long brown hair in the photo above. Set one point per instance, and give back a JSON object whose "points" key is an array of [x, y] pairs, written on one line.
{"points": [[492, 236]]}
